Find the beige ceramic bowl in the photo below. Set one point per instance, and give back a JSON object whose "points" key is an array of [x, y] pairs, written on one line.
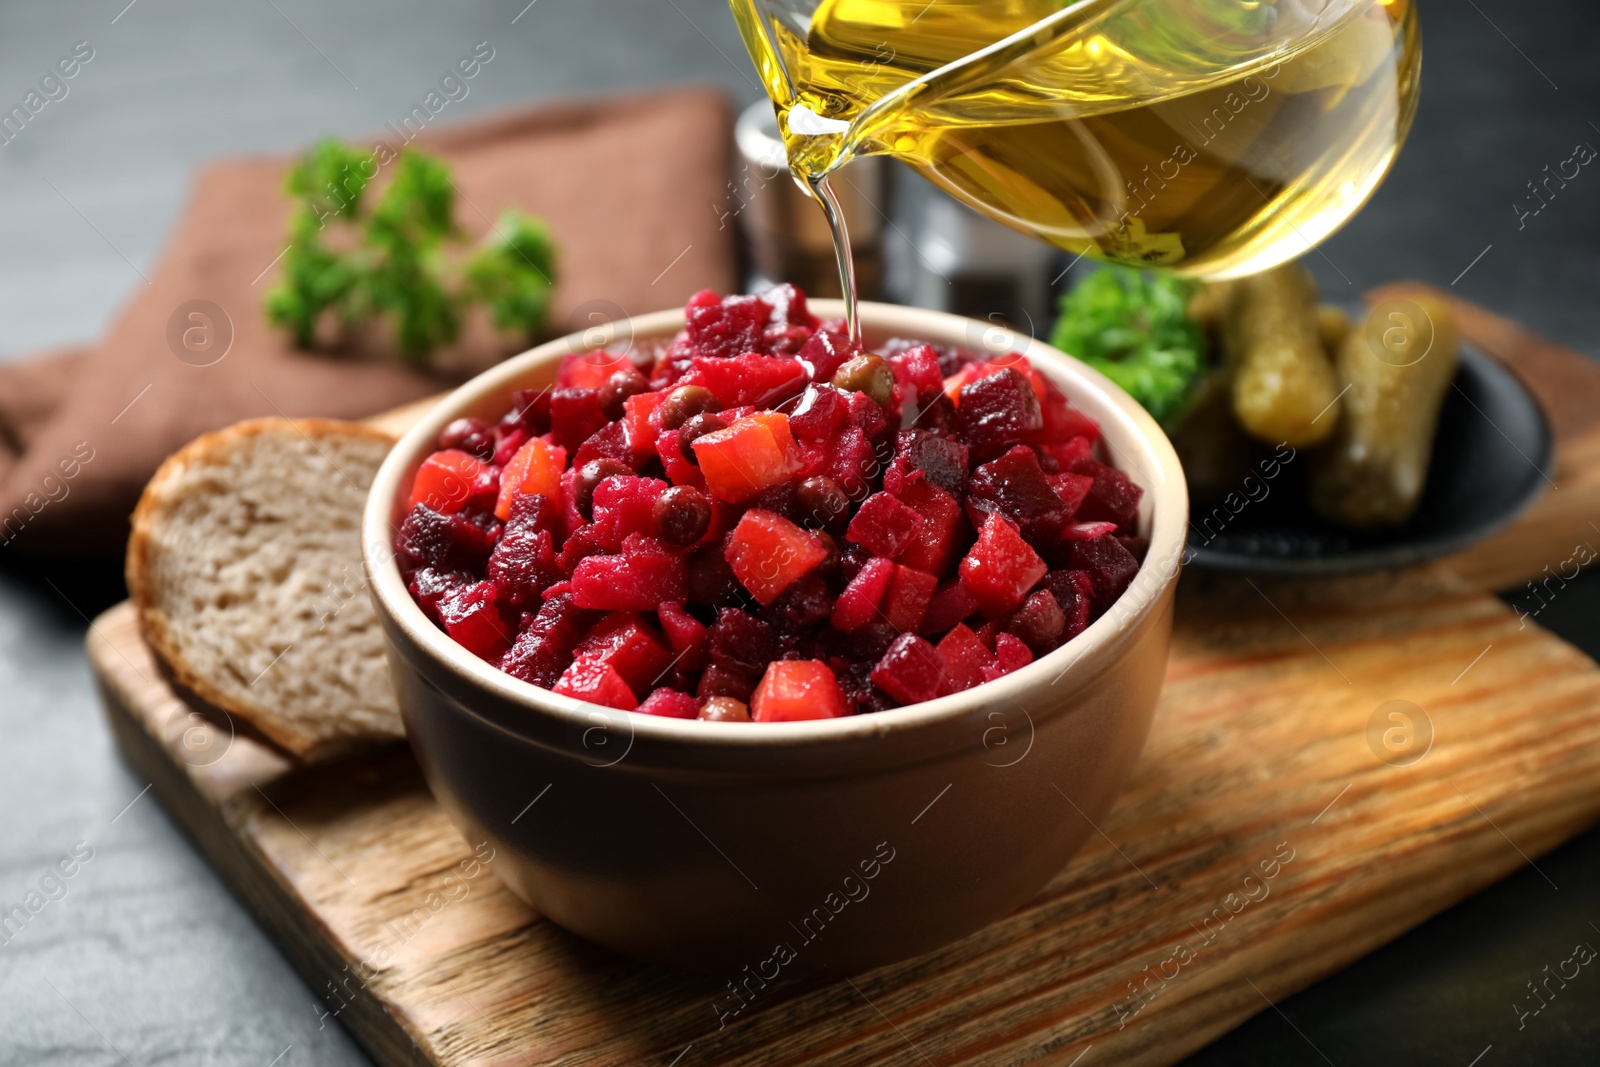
{"points": [[809, 847]]}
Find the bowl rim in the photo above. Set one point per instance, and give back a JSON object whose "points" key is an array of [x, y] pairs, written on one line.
{"points": [[1164, 515]]}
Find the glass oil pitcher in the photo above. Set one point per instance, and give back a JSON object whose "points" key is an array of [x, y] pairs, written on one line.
{"points": [[1212, 137]]}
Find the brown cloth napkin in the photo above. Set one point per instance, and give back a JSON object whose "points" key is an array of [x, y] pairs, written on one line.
{"points": [[622, 183]]}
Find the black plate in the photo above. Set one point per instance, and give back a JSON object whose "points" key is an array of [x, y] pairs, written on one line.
{"points": [[1492, 456]]}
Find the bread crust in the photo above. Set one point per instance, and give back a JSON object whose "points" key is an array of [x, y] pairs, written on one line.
{"points": [[277, 733]]}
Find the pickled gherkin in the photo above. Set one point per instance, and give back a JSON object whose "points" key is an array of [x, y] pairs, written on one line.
{"points": [[1284, 387], [1397, 367]]}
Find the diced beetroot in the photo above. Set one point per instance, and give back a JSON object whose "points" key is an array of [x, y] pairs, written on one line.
{"points": [[637, 580], [780, 499], [753, 453], [966, 662], [1010, 654], [906, 601], [471, 615], [997, 411], [865, 413], [949, 604], [1111, 567], [428, 586], [623, 641], [1086, 531], [445, 481], [1039, 623], [942, 461], [741, 642], [826, 623], [637, 421], [785, 340], [1074, 591], [944, 532], [937, 416], [668, 703], [856, 681], [575, 415], [686, 634], [544, 647], [530, 410], [918, 367], [1018, 362], [608, 442], [536, 468], [852, 462], [852, 557], [511, 438], [483, 492], [1113, 498], [536, 511], [858, 604], [789, 307], [429, 538], [884, 525], [989, 631], [583, 543], [796, 689], [591, 368], [596, 683], [802, 607], [1067, 452], [768, 553], [1062, 421], [1013, 485], [1000, 568], [679, 470], [720, 328], [1071, 488], [751, 378], [954, 383], [523, 563], [819, 414], [624, 505], [825, 352], [911, 670]]}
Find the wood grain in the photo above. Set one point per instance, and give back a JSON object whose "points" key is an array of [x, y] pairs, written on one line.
{"points": [[1260, 748]]}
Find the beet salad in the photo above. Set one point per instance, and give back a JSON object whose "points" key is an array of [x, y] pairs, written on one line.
{"points": [[763, 522]]}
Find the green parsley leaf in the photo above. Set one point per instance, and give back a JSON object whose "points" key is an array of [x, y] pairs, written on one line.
{"points": [[392, 260], [1135, 329]]}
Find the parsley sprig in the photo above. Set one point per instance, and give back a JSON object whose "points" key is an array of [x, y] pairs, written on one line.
{"points": [[1135, 329], [356, 258]]}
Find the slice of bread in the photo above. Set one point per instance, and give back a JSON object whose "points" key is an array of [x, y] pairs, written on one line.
{"points": [[245, 567]]}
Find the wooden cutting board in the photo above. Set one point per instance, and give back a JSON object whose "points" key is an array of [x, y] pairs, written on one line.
{"points": [[1281, 824]]}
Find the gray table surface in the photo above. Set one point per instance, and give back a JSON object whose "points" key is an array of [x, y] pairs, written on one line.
{"points": [[147, 958]]}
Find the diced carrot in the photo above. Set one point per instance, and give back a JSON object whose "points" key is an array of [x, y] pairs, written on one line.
{"points": [[768, 553], [445, 480], [796, 689], [536, 468], [755, 452]]}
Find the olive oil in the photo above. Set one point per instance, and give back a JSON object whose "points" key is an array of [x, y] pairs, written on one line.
{"points": [[1213, 137]]}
